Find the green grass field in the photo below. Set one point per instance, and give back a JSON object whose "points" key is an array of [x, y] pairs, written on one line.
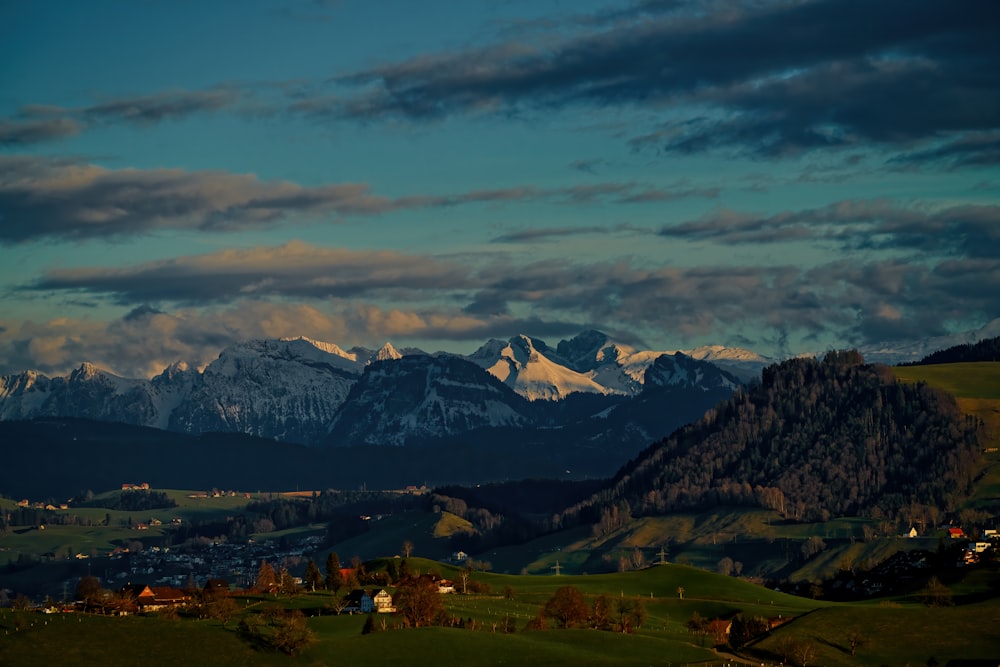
{"points": [[968, 380], [894, 634]]}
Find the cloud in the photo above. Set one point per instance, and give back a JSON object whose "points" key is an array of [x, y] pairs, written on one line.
{"points": [[164, 105], [47, 198], [146, 340], [41, 123], [544, 234], [975, 149], [971, 230], [191, 307], [20, 132], [42, 198], [840, 74], [294, 269]]}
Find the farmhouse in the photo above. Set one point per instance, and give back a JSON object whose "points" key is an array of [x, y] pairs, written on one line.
{"points": [[155, 598], [359, 601], [383, 602]]}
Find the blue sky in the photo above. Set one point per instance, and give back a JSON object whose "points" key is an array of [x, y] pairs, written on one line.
{"points": [[782, 176]]}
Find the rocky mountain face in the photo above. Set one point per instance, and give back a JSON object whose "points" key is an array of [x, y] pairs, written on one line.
{"points": [[300, 390], [419, 398]]}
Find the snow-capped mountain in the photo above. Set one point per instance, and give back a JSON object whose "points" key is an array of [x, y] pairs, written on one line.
{"points": [[593, 363], [286, 389], [682, 371], [532, 369], [744, 364], [87, 392], [303, 390], [420, 397]]}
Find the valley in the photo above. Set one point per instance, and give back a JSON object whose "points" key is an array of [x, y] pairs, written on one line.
{"points": [[855, 583]]}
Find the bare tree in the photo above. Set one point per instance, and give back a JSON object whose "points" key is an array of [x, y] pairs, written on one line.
{"points": [[407, 548], [855, 640]]}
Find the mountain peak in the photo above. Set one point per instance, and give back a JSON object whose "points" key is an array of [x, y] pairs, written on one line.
{"points": [[329, 348], [386, 353]]}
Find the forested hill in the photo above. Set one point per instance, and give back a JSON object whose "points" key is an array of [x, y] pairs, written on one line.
{"points": [[987, 349], [814, 439]]}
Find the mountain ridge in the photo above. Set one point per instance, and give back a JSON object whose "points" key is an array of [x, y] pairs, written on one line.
{"points": [[292, 388]]}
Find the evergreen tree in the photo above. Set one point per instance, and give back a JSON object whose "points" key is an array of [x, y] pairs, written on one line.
{"points": [[334, 577], [314, 578]]}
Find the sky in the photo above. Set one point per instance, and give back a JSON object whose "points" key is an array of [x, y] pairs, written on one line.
{"points": [[783, 176]]}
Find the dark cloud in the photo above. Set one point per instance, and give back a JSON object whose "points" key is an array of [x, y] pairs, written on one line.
{"points": [[21, 132], [543, 234], [166, 105], [977, 149], [970, 230], [44, 198], [40, 123], [294, 269], [772, 78]]}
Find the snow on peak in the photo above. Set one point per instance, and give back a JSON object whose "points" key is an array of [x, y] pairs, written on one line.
{"points": [[723, 353], [523, 363], [329, 348], [385, 353]]}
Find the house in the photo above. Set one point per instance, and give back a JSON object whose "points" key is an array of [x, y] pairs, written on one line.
{"points": [[459, 557], [383, 602], [446, 586], [359, 601], [956, 533], [912, 533], [166, 596], [978, 547]]}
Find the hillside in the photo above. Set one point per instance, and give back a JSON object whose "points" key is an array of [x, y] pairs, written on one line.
{"points": [[813, 440]]}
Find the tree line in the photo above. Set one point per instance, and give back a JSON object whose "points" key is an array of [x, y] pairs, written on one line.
{"points": [[987, 349]]}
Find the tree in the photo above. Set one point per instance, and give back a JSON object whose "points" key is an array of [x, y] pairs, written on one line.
{"points": [[812, 546], [286, 582], [537, 623], [744, 629], [680, 592], [631, 614], [221, 607], [267, 580], [855, 640], [600, 616], [568, 607], [291, 633], [334, 577], [464, 575], [407, 548], [726, 566], [698, 625], [313, 578], [936, 594], [89, 589], [419, 601]]}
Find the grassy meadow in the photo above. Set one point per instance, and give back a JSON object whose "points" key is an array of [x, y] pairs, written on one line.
{"points": [[894, 633]]}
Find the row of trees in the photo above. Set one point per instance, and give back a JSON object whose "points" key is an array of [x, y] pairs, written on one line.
{"points": [[568, 608]]}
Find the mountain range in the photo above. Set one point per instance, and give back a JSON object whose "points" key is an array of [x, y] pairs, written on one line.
{"points": [[305, 391]]}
